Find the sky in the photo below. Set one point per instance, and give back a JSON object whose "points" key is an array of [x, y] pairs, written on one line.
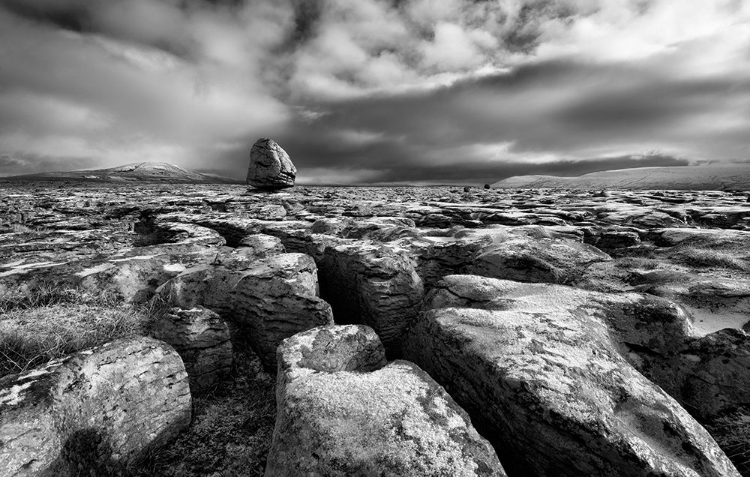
{"points": [[373, 91]]}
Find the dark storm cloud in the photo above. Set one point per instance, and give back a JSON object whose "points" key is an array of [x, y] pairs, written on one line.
{"points": [[489, 173], [67, 14], [531, 16], [418, 133], [131, 22], [306, 19], [375, 90]]}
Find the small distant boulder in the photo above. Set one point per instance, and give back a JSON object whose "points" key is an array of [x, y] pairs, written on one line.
{"points": [[486, 186], [270, 166]]}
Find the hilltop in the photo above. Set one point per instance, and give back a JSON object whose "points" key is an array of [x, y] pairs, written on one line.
{"points": [[135, 172]]}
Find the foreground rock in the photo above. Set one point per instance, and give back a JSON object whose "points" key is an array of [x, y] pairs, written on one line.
{"points": [[687, 247], [342, 411], [270, 166], [267, 301], [97, 412], [538, 367], [201, 338]]}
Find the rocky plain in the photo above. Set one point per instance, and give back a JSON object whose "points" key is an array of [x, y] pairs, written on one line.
{"points": [[417, 331]]}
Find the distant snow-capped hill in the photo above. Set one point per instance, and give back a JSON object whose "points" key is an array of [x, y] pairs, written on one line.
{"points": [[135, 172], [715, 177]]}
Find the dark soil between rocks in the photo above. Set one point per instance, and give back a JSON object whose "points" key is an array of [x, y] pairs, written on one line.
{"points": [[231, 430]]}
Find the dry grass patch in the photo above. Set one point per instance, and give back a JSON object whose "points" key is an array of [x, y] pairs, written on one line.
{"points": [[643, 263], [711, 258], [54, 322], [732, 433]]}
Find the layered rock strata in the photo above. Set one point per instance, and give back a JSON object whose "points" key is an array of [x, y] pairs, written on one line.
{"points": [[269, 300], [372, 285], [96, 412]]}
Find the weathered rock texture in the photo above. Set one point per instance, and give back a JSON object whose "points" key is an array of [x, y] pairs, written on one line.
{"points": [[342, 411], [201, 337], [536, 259], [538, 367], [372, 285], [262, 245], [272, 299], [689, 247], [94, 413], [270, 166]]}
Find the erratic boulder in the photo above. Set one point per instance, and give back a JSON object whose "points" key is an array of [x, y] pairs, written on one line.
{"points": [[97, 412], [270, 166], [539, 368], [342, 411]]}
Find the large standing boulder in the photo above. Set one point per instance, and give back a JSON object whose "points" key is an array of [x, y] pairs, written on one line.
{"points": [[97, 412], [270, 166], [342, 411], [539, 368]]}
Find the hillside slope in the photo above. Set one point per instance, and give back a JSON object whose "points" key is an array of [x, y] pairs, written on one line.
{"points": [[723, 177]]}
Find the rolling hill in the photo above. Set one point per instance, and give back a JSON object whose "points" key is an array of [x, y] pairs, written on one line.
{"points": [[136, 172], [713, 177]]}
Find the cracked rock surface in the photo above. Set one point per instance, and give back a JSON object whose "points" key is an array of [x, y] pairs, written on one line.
{"points": [[630, 308], [537, 366], [343, 411]]}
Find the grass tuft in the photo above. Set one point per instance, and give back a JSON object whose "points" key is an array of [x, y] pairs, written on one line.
{"points": [[732, 433], [53, 322], [711, 258], [48, 294]]}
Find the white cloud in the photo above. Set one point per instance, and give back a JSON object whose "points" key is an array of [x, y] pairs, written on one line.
{"points": [[456, 49], [337, 175], [189, 81], [358, 137], [627, 30]]}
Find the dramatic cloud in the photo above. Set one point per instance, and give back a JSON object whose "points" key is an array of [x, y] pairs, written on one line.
{"points": [[375, 90]]}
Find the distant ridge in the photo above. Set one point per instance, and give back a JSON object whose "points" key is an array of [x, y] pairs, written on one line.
{"points": [[135, 172], [719, 177]]}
